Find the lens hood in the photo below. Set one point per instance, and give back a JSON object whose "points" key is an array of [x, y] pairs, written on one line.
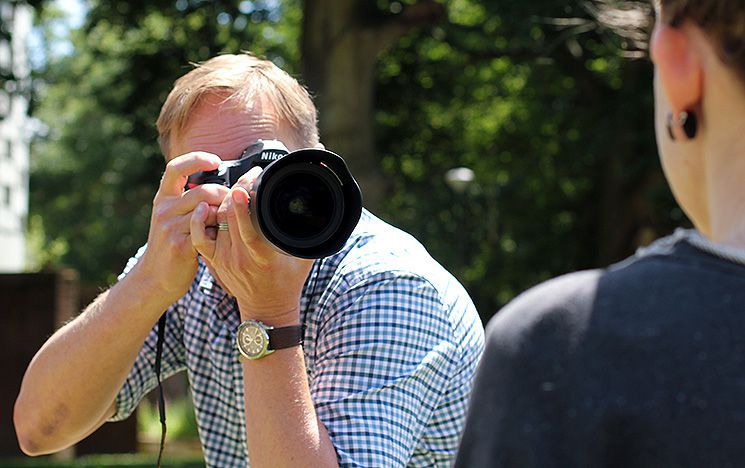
{"points": [[307, 203]]}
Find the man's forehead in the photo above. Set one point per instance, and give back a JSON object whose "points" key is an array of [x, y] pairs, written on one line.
{"points": [[221, 127]]}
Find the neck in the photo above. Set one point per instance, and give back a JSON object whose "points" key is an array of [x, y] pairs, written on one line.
{"points": [[725, 168], [722, 143]]}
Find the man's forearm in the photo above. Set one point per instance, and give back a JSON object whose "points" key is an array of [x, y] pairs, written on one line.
{"points": [[71, 384], [281, 423]]}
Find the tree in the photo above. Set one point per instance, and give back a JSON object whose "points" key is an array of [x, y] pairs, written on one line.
{"points": [[342, 41], [94, 177], [536, 97]]}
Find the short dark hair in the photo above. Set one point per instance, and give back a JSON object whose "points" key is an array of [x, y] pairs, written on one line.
{"points": [[722, 20]]}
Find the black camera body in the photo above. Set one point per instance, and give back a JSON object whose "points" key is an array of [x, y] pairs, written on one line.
{"points": [[306, 202]]}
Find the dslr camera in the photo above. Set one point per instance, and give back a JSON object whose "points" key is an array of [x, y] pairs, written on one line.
{"points": [[306, 202]]}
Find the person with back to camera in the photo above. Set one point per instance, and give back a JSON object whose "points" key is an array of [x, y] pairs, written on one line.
{"points": [[382, 345], [641, 364]]}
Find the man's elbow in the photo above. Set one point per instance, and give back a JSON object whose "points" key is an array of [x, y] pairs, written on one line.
{"points": [[32, 441], [28, 445], [26, 441]]}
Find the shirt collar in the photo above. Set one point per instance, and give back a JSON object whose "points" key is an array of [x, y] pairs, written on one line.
{"points": [[208, 285]]}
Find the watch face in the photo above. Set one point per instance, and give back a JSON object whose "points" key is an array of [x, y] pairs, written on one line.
{"points": [[252, 340]]}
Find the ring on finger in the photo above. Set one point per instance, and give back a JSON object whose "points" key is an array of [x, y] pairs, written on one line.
{"points": [[222, 226]]}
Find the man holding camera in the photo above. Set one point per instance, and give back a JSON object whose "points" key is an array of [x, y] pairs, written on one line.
{"points": [[370, 351]]}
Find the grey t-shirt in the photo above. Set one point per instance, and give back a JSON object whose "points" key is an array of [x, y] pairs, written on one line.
{"points": [[641, 364]]}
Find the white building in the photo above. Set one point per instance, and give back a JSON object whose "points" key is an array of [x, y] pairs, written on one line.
{"points": [[16, 18]]}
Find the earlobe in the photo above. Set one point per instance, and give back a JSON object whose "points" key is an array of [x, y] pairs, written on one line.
{"points": [[678, 66]]}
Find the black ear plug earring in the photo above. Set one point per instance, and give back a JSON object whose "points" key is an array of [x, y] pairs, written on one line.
{"points": [[686, 120]]}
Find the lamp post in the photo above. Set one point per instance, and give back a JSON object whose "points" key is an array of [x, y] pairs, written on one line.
{"points": [[459, 178]]}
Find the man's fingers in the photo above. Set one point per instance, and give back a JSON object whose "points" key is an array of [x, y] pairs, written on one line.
{"points": [[239, 206], [222, 211], [180, 168], [202, 241], [213, 194], [247, 180], [238, 216], [211, 216]]}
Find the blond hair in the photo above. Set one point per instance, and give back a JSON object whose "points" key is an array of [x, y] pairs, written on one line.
{"points": [[240, 79]]}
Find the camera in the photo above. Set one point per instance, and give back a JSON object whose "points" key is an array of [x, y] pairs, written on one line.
{"points": [[306, 202]]}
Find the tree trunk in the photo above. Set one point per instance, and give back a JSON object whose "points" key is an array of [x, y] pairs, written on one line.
{"points": [[341, 42]]}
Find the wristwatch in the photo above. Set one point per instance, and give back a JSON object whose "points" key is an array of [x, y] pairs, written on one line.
{"points": [[256, 340]]}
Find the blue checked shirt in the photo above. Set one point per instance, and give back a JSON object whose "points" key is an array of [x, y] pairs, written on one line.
{"points": [[391, 344]]}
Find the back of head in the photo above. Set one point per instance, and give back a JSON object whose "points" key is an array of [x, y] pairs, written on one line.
{"points": [[722, 20], [698, 48], [242, 80]]}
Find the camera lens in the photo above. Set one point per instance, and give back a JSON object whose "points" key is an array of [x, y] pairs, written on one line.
{"points": [[301, 206], [305, 205]]}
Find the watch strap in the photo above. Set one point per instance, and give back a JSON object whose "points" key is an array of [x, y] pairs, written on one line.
{"points": [[285, 337]]}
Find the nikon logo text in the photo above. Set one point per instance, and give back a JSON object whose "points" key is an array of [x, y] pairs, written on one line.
{"points": [[271, 155]]}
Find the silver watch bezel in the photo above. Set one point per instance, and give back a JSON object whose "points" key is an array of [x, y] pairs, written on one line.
{"points": [[261, 331]]}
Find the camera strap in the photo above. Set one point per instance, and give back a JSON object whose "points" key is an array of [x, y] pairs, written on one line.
{"points": [[159, 355], [161, 398]]}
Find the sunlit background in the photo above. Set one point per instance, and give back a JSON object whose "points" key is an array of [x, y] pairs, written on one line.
{"points": [[513, 138]]}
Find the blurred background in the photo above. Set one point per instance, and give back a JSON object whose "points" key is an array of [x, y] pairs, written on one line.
{"points": [[514, 139]]}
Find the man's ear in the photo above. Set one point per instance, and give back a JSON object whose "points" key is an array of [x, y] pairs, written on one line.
{"points": [[678, 66]]}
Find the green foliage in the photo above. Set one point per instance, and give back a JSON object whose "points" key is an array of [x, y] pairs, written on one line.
{"points": [[180, 418], [94, 176], [534, 96], [107, 461], [557, 126]]}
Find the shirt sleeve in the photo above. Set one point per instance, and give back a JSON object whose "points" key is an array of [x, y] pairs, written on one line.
{"points": [[142, 378], [385, 356]]}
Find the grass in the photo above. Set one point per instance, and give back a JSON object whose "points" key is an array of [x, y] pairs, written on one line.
{"points": [[181, 422], [182, 448], [108, 461]]}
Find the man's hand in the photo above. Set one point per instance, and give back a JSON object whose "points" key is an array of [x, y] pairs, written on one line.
{"points": [[170, 259], [266, 283], [54, 408]]}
